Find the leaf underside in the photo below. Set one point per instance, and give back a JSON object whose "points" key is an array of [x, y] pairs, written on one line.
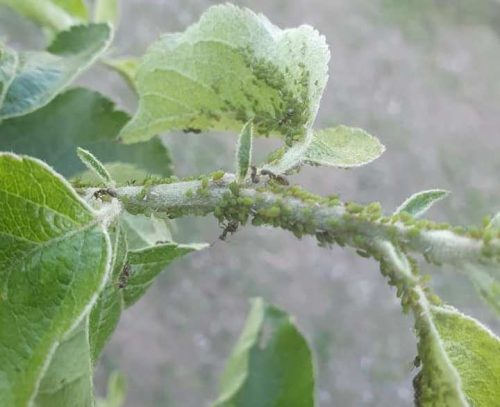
{"points": [[230, 67]]}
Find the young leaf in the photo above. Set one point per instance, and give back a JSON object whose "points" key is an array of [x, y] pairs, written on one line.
{"points": [[69, 376], [244, 151], [55, 15], [343, 147], [81, 117], [127, 68], [55, 257], [471, 354], [117, 390], [230, 67], [486, 285], [147, 263], [145, 231], [106, 11], [271, 364], [94, 165], [419, 203], [8, 65], [42, 75]]}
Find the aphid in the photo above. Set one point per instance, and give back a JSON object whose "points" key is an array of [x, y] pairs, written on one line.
{"points": [[288, 116], [253, 175], [231, 227], [105, 192], [124, 276], [280, 179], [191, 130]]}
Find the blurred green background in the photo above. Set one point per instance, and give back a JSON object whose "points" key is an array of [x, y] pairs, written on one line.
{"points": [[423, 76]]}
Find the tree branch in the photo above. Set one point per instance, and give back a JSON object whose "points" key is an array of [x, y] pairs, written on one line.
{"points": [[296, 210]]}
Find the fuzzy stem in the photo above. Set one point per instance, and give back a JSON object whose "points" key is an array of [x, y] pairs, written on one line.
{"points": [[310, 215]]}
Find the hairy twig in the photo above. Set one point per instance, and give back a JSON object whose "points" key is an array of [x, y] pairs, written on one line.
{"points": [[328, 219]]}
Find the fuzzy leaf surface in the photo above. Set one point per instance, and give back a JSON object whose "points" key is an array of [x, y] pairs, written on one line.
{"points": [[230, 67], [54, 259], [419, 203], [343, 147], [461, 362]]}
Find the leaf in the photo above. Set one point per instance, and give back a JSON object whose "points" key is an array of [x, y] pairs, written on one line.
{"points": [[68, 379], [80, 117], [127, 68], [106, 11], [53, 14], [117, 390], [145, 231], [94, 165], [244, 151], [271, 364], [8, 66], [41, 75], [487, 286], [54, 259], [230, 67], [343, 147], [495, 222], [147, 263], [107, 310], [419, 203], [471, 351]]}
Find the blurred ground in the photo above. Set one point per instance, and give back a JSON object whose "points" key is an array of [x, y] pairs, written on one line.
{"points": [[422, 75]]}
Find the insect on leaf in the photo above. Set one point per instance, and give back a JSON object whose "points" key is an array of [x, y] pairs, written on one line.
{"points": [[231, 66]]}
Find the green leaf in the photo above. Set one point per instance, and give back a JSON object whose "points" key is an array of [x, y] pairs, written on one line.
{"points": [[271, 364], [107, 310], [419, 203], [68, 379], [80, 117], [106, 11], [41, 75], [472, 354], [8, 66], [56, 15], [55, 257], [127, 68], [94, 165], [244, 151], [230, 67], [147, 263], [485, 283], [117, 390], [145, 231], [343, 147]]}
